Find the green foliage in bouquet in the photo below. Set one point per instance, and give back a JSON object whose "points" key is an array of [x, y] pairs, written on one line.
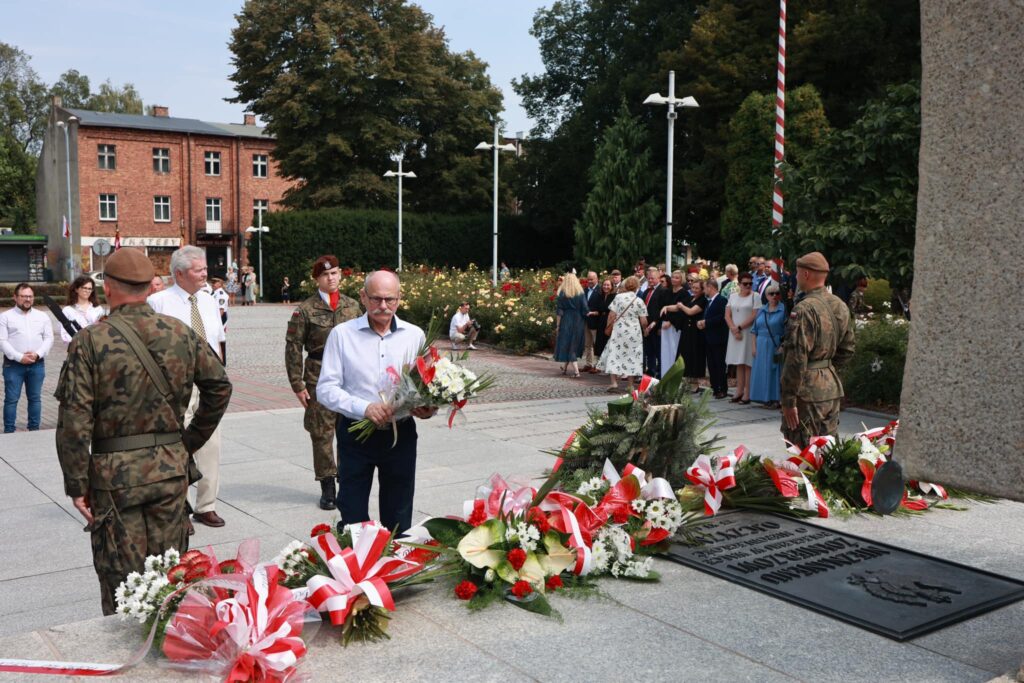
{"points": [[662, 433], [840, 479]]}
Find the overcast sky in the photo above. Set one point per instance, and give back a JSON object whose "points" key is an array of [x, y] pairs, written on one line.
{"points": [[176, 52]]}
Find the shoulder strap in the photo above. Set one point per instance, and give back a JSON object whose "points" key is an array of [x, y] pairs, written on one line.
{"points": [[145, 357]]}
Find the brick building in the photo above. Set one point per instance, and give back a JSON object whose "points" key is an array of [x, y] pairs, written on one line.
{"points": [[157, 182]]}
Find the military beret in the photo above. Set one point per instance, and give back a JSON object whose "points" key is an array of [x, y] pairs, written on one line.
{"points": [[130, 266], [813, 261], [323, 263]]}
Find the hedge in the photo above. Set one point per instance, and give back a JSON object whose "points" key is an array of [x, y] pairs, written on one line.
{"points": [[367, 239]]}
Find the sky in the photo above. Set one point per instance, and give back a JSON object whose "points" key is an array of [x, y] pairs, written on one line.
{"points": [[176, 54]]}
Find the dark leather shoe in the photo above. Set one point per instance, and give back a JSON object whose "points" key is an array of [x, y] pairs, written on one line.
{"points": [[210, 518], [722, 395], [191, 528], [327, 494]]}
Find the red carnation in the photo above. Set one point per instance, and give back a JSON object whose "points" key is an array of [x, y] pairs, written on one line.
{"points": [[521, 589], [229, 567], [516, 558], [554, 582], [200, 570], [192, 556], [465, 590], [176, 574], [320, 530], [477, 517], [539, 520]]}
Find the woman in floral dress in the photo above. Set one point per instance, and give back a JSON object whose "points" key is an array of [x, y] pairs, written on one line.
{"points": [[624, 353]]}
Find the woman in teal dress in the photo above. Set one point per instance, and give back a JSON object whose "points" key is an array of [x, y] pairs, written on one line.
{"points": [[767, 330], [571, 309]]}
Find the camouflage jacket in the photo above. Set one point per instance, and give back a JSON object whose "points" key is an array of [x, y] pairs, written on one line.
{"points": [[308, 328], [104, 391], [819, 333]]}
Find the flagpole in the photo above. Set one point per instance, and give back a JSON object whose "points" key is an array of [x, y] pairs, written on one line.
{"points": [[780, 153]]}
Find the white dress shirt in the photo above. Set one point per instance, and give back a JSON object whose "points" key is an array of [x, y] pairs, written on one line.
{"points": [[24, 331], [356, 360], [221, 298], [84, 318], [174, 302], [458, 320]]}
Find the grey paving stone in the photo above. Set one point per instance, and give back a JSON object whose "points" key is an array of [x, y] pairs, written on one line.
{"points": [[40, 536]]}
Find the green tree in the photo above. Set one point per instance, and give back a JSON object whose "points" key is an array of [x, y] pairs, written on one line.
{"points": [[855, 196], [344, 84], [17, 185], [73, 89], [23, 101], [620, 218], [747, 216], [123, 100]]}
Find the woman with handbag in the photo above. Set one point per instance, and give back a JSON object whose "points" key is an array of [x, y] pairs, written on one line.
{"points": [[624, 354], [767, 331]]}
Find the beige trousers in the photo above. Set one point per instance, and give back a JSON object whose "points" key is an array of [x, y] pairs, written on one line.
{"points": [[208, 462], [589, 337]]}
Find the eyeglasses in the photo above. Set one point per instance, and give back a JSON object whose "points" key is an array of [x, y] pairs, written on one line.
{"points": [[378, 300], [773, 294], [745, 284]]}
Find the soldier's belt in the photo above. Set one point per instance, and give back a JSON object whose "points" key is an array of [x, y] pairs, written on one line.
{"points": [[134, 442], [819, 364], [316, 355]]}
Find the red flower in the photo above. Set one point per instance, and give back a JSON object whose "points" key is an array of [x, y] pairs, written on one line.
{"points": [[320, 530], [192, 556], [554, 583], [516, 558], [521, 589], [551, 298], [539, 520], [422, 556], [176, 574], [506, 287], [465, 590], [477, 518], [229, 567], [346, 271], [199, 570]]}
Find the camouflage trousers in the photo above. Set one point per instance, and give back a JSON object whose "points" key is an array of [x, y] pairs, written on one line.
{"points": [[319, 422], [818, 418], [130, 524]]}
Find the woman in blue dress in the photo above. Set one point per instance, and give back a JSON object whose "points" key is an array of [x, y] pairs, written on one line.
{"points": [[571, 309], [768, 327]]}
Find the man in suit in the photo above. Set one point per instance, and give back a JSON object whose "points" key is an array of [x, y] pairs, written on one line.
{"points": [[653, 295], [716, 338], [593, 294], [616, 280]]}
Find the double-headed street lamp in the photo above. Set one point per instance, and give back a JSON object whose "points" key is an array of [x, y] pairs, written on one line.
{"points": [[672, 102], [68, 218], [483, 146], [259, 229], [399, 174]]}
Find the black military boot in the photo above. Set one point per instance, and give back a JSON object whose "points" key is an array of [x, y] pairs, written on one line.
{"points": [[327, 493]]}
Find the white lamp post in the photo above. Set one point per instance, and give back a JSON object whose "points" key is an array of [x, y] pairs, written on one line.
{"points": [[67, 165], [259, 230], [672, 102], [497, 148], [399, 174]]}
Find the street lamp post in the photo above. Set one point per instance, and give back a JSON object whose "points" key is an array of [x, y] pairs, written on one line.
{"points": [[67, 166], [399, 174], [672, 102], [497, 148], [259, 230]]}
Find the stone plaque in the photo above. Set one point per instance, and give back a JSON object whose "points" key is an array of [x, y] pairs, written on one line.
{"points": [[897, 593]]}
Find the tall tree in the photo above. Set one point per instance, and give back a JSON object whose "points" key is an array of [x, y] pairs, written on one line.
{"points": [[344, 84], [23, 100], [747, 216], [123, 100], [73, 89], [620, 218]]}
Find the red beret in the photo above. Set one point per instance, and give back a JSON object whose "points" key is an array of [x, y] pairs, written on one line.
{"points": [[325, 262]]}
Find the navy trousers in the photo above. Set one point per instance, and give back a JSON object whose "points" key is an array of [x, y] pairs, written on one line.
{"points": [[716, 368], [652, 353], [396, 474]]}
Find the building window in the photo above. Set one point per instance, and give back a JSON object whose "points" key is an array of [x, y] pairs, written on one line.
{"points": [[107, 157], [108, 207], [162, 209], [259, 165], [260, 207], [161, 160], [212, 163], [213, 209]]}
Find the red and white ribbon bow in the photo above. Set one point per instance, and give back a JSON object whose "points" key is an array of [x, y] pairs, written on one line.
{"points": [[714, 479], [657, 487], [809, 457], [576, 518], [359, 570], [497, 497], [787, 476], [646, 384], [886, 434], [929, 489]]}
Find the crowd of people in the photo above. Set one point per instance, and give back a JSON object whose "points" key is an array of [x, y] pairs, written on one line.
{"points": [[720, 324]]}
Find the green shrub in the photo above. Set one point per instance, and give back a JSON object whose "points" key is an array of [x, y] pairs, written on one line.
{"points": [[874, 376], [878, 295]]}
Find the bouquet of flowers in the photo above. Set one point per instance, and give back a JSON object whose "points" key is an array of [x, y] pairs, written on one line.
{"points": [[350, 576]]}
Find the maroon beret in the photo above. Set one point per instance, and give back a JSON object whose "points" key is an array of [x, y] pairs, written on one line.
{"points": [[325, 262]]}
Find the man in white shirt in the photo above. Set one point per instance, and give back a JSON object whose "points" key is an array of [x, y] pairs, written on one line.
{"points": [[220, 297], [186, 301], [26, 336], [463, 328], [356, 358]]}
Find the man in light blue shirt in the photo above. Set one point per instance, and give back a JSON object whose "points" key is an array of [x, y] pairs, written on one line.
{"points": [[355, 364]]}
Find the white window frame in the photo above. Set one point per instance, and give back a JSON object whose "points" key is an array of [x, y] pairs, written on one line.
{"points": [[213, 204], [260, 162], [161, 157], [211, 163], [158, 205], [106, 157], [110, 200], [261, 207]]}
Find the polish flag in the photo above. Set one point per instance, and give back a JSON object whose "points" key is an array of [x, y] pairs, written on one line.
{"points": [[117, 240], [66, 228]]}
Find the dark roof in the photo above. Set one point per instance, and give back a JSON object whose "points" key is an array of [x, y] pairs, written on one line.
{"points": [[170, 124]]}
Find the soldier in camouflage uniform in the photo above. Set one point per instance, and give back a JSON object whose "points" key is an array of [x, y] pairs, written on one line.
{"points": [[819, 339], [310, 325], [123, 453]]}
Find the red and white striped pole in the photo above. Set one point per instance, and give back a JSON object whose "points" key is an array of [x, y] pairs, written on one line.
{"points": [[780, 122]]}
